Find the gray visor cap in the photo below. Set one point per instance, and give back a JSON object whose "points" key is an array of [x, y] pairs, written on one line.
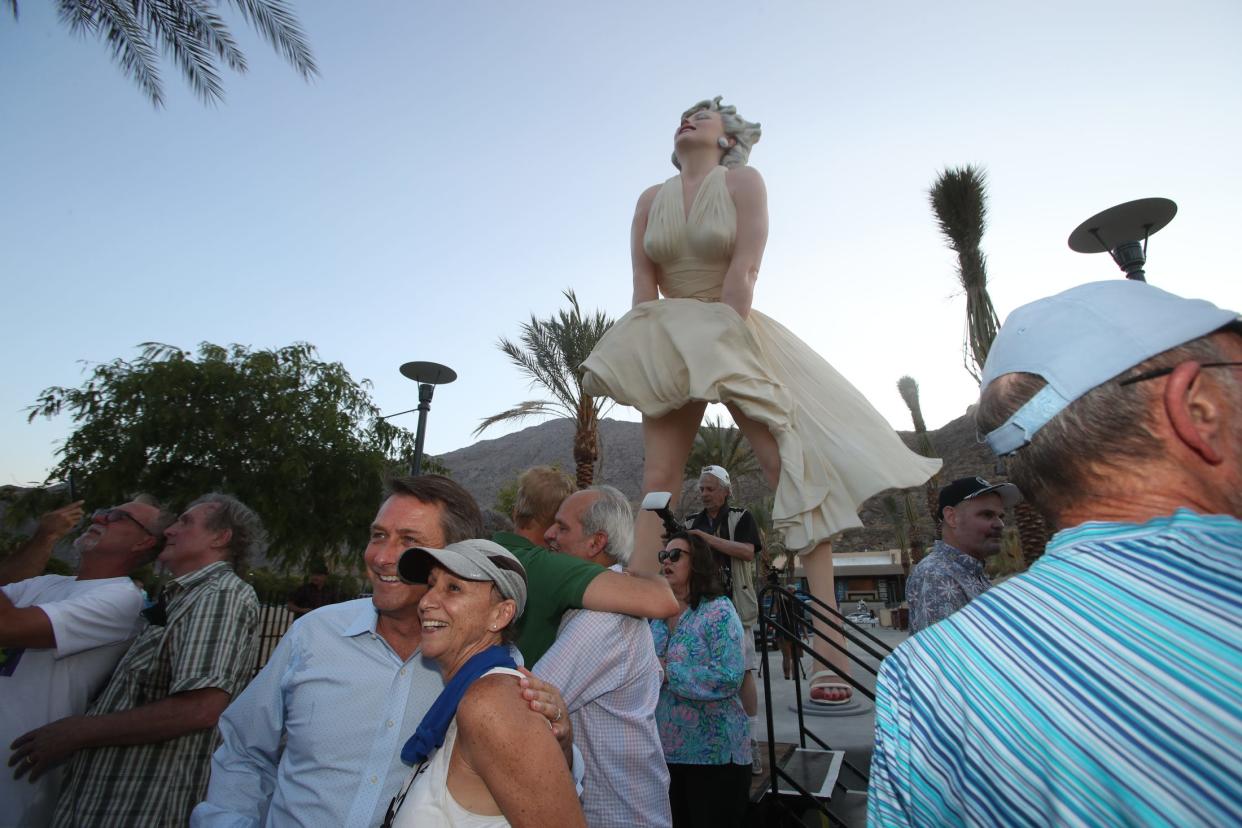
{"points": [[473, 560]]}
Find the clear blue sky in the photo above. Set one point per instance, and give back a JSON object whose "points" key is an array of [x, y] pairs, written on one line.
{"points": [[458, 164]]}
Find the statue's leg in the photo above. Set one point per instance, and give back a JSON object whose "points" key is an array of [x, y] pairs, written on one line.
{"points": [[667, 442], [762, 443], [817, 563]]}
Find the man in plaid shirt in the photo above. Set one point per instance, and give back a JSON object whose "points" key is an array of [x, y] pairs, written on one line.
{"points": [[141, 755]]}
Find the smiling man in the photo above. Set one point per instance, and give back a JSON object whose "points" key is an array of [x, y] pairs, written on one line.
{"points": [[61, 636], [139, 756], [316, 738], [972, 514]]}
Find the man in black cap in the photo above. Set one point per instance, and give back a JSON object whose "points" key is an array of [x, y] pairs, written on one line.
{"points": [[971, 520]]}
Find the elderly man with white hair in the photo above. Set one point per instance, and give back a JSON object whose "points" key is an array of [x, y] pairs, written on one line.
{"points": [[606, 668], [1104, 685], [733, 536]]}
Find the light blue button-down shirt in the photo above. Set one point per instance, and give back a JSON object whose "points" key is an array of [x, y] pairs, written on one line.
{"points": [[345, 704]]}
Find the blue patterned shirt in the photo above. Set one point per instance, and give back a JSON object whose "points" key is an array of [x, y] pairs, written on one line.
{"points": [[942, 583], [1102, 687], [699, 714]]}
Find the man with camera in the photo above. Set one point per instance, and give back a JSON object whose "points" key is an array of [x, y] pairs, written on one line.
{"points": [[734, 539]]}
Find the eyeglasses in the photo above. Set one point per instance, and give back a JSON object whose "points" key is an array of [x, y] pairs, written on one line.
{"points": [[115, 515], [669, 555], [1160, 372]]}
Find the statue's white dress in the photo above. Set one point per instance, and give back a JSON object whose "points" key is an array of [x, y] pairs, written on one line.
{"points": [[835, 448]]}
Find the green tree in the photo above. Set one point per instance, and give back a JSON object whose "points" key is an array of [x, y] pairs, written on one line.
{"points": [[550, 354], [294, 437], [959, 200], [717, 444], [191, 31]]}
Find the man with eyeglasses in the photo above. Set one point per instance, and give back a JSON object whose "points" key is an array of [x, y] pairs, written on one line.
{"points": [[141, 754], [1104, 685], [61, 636], [972, 517]]}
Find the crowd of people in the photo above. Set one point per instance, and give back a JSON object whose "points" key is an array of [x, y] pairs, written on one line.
{"points": [[1101, 687], [1032, 702]]}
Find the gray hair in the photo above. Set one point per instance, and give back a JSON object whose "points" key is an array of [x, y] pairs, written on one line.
{"points": [[1104, 433], [247, 535], [745, 134], [163, 520], [612, 515]]}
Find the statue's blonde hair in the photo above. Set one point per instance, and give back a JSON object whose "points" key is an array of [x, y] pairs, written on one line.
{"points": [[745, 134]]}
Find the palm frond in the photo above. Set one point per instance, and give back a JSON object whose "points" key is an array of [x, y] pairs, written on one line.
{"points": [[276, 21], [131, 47], [195, 34], [530, 408]]}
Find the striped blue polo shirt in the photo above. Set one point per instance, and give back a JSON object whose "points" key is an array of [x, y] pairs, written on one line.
{"points": [[1101, 687]]}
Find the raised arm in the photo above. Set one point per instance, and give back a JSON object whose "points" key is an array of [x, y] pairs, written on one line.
{"points": [[642, 597], [31, 557], [514, 754], [734, 549], [750, 199], [645, 281]]}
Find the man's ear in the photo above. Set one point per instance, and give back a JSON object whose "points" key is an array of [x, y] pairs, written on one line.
{"points": [[223, 537], [949, 517], [1194, 412]]}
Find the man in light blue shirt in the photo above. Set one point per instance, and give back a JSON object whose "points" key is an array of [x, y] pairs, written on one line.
{"points": [[316, 738], [1104, 685]]}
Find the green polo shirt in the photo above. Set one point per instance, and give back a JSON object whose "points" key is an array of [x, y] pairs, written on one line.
{"points": [[554, 583]]}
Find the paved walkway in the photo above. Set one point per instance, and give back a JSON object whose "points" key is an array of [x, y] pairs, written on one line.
{"points": [[852, 733]]}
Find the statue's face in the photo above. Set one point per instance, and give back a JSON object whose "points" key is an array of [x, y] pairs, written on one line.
{"points": [[703, 127]]}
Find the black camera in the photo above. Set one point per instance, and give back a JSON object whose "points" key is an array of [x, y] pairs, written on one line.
{"points": [[658, 502]]}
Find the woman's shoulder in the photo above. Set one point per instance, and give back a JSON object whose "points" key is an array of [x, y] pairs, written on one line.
{"points": [[714, 608], [490, 699], [648, 195], [743, 179]]}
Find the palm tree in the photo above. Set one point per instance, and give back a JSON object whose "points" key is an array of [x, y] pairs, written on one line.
{"points": [[959, 200], [550, 354], [717, 444], [908, 388], [896, 515], [191, 31]]}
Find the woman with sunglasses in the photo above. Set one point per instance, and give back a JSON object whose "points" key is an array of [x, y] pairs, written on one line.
{"points": [[703, 728]]}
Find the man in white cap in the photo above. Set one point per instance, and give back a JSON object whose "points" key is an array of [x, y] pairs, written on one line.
{"points": [[972, 518], [733, 536], [1104, 685]]}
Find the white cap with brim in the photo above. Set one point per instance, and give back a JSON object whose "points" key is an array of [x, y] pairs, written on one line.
{"points": [[718, 473], [474, 560], [1082, 338]]}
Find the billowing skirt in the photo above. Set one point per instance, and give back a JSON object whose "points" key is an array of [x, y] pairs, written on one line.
{"points": [[836, 450]]}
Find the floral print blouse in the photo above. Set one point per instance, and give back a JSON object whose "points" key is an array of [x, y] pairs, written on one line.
{"points": [[700, 715]]}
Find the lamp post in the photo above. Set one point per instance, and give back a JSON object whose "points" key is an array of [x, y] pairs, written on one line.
{"points": [[428, 375], [1118, 229]]}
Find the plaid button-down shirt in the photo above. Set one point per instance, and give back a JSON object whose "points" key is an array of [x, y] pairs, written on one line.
{"points": [[606, 668], [209, 641]]}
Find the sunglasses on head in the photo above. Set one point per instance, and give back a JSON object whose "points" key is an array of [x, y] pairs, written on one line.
{"points": [[669, 555], [115, 515]]}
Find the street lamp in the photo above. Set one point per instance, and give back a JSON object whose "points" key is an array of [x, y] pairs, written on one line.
{"points": [[1118, 229], [428, 375]]}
